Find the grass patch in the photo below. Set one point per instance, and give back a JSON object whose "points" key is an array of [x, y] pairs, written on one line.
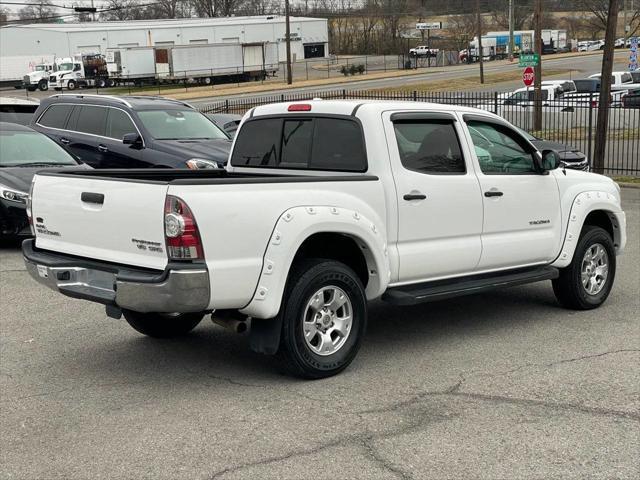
{"points": [[466, 82], [626, 179]]}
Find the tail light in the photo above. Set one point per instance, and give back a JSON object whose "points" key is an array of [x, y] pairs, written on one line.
{"points": [[29, 206], [181, 231]]}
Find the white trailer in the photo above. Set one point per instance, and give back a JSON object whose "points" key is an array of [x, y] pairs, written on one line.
{"points": [[136, 64], [15, 67]]}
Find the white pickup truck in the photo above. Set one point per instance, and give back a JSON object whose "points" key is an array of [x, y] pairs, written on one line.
{"points": [[323, 206]]}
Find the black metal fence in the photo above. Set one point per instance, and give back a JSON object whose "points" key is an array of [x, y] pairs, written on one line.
{"points": [[567, 122]]}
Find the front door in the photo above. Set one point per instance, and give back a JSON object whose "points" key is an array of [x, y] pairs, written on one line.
{"points": [[521, 206], [439, 199]]}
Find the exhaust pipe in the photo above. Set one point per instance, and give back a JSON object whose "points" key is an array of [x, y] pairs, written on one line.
{"points": [[230, 319]]}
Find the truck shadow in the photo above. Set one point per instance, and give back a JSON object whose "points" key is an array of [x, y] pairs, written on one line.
{"points": [[212, 352]]}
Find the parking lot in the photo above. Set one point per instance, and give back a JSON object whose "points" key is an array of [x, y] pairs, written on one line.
{"points": [[500, 385]]}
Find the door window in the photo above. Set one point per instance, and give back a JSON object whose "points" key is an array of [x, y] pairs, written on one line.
{"points": [[429, 146], [56, 116], [500, 150], [119, 124], [92, 120]]}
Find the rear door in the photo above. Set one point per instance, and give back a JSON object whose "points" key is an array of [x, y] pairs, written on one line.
{"points": [[53, 122], [87, 126], [110, 220], [439, 199]]}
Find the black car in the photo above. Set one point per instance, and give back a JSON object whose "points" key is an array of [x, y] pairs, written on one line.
{"points": [[132, 132], [570, 156], [23, 152], [631, 99], [229, 122]]}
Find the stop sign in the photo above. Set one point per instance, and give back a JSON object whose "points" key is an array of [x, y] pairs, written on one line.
{"points": [[528, 76]]}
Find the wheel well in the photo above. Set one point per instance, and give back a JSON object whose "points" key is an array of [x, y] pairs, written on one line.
{"points": [[335, 246], [600, 218]]}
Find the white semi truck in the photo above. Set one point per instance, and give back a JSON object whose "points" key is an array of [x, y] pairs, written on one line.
{"points": [[81, 70], [192, 63], [38, 78]]}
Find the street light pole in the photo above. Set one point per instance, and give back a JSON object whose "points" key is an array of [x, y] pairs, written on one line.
{"points": [[537, 82], [510, 30], [288, 41], [479, 49]]}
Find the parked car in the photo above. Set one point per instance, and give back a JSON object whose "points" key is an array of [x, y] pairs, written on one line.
{"points": [[228, 122], [631, 99], [132, 132], [23, 152], [328, 204], [570, 157], [423, 51], [17, 110]]}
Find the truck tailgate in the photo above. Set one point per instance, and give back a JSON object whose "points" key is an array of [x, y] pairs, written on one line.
{"points": [[114, 221]]}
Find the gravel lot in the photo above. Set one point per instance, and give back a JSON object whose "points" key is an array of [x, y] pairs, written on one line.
{"points": [[502, 385]]}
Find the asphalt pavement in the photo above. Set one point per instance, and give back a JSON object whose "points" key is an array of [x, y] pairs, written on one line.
{"points": [[499, 385]]}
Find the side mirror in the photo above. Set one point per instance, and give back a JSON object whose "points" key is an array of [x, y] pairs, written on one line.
{"points": [[132, 139], [550, 160]]}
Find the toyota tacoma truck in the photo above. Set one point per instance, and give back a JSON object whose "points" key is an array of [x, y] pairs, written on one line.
{"points": [[324, 206]]}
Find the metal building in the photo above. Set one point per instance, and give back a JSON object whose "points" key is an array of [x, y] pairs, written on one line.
{"points": [[22, 46]]}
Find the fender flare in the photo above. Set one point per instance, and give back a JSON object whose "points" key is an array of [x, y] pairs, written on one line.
{"points": [[296, 225], [583, 204]]}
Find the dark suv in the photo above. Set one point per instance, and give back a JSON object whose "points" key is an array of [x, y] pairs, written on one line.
{"points": [[132, 132]]}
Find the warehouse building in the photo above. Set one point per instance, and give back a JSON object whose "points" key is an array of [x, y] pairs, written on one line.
{"points": [[22, 46]]}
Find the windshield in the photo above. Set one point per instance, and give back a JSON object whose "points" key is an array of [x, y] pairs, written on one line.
{"points": [[24, 149], [66, 66], [180, 125], [40, 68]]}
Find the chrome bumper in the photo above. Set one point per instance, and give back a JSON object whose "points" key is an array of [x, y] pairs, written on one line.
{"points": [[177, 289]]}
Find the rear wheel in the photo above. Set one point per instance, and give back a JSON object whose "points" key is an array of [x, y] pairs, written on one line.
{"points": [[102, 83], [324, 319], [163, 325], [587, 281]]}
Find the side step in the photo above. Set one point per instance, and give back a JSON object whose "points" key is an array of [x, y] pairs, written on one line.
{"points": [[456, 287]]}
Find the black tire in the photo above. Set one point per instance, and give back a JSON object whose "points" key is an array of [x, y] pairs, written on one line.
{"points": [[307, 278], [32, 88], [71, 85], [568, 287], [158, 325], [43, 85], [102, 83], [111, 83]]}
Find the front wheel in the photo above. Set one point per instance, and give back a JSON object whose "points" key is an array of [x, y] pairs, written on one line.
{"points": [[587, 281], [324, 318], [71, 85], [162, 325], [43, 85]]}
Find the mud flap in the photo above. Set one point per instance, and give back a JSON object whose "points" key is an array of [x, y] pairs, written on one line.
{"points": [[264, 336]]}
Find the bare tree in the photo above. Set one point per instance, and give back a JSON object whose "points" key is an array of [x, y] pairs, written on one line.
{"points": [[522, 13], [119, 10], [599, 10], [4, 16], [461, 29], [39, 12]]}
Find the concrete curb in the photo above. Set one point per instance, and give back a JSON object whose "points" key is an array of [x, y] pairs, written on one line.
{"points": [[628, 185]]}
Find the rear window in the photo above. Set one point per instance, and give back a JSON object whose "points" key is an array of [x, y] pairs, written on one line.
{"points": [[310, 143], [55, 116]]}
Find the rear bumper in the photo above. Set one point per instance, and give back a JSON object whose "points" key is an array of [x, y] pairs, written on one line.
{"points": [[179, 288]]}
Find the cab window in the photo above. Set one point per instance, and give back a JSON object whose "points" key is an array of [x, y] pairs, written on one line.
{"points": [[500, 150]]}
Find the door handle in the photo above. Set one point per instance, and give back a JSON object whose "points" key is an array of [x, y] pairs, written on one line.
{"points": [[414, 196], [102, 148], [65, 141], [493, 193], [90, 197]]}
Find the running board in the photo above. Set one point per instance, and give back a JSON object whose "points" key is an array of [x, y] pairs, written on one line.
{"points": [[456, 287]]}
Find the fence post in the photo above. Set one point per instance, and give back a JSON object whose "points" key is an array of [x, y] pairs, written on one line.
{"points": [[415, 95], [306, 68], [495, 102], [384, 59], [366, 64], [344, 93], [328, 68], [282, 97], [226, 105], [590, 134]]}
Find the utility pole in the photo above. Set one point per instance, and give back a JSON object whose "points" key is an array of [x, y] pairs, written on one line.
{"points": [[93, 15], [288, 40], [537, 82], [605, 88], [479, 49], [624, 26], [511, 30]]}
